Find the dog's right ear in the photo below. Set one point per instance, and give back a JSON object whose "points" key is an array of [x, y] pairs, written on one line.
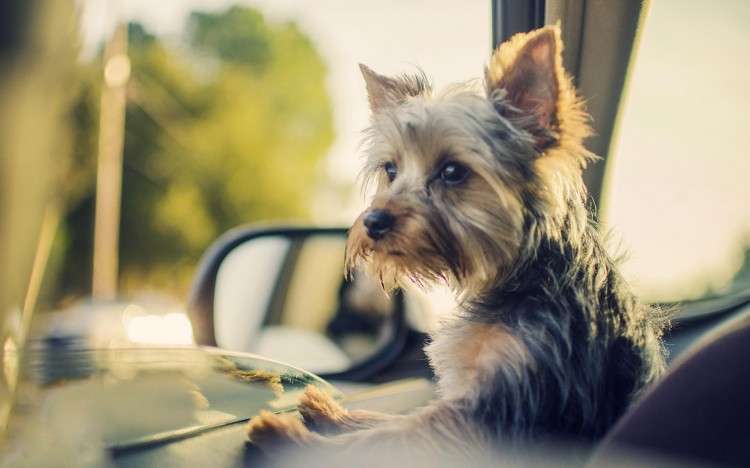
{"points": [[528, 69], [387, 93]]}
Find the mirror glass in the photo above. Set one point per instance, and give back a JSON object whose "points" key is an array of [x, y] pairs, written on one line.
{"points": [[284, 297]]}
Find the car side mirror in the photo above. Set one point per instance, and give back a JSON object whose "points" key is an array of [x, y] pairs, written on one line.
{"points": [[281, 293]]}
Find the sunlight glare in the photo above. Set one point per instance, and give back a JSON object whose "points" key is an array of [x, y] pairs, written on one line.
{"points": [[172, 328]]}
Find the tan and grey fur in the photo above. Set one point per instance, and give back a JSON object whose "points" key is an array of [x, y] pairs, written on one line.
{"points": [[482, 189]]}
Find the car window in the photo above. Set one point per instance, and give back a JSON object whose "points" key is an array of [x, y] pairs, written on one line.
{"points": [[676, 190], [344, 34], [247, 111]]}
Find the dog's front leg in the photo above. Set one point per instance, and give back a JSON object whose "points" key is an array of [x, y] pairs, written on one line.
{"points": [[322, 414], [442, 429]]}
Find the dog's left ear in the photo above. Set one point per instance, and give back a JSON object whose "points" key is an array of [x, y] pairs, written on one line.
{"points": [[527, 71]]}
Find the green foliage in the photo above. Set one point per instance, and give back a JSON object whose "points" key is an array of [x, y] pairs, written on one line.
{"points": [[240, 36], [227, 132]]}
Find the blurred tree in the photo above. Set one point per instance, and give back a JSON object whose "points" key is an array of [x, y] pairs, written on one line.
{"points": [[226, 131], [240, 36]]}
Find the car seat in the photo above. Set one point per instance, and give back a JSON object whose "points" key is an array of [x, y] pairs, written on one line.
{"points": [[698, 414]]}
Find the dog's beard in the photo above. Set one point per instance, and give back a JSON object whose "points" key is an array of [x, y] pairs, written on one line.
{"points": [[411, 252], [429, 246]]}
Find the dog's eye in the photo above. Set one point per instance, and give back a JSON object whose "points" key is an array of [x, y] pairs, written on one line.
{"points": [[390, 171], [453, 173]]}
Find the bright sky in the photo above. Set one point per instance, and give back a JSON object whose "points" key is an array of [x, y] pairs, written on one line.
{"points": [[679, 186]]}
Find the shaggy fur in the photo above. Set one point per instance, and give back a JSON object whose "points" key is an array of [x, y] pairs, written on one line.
{"points": [[482, 189]]}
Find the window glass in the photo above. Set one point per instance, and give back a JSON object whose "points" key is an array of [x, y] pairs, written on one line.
{"points": [[450, 41], [677, 193], [245, 111]]}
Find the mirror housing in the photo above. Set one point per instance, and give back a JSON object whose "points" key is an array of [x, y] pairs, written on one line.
{"points": [[254, 282]]}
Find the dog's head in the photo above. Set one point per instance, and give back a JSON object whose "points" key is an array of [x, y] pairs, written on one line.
{"points": [[458, 173]]}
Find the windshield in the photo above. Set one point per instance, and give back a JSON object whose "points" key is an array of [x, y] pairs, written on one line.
{"points": [[677, 191]]}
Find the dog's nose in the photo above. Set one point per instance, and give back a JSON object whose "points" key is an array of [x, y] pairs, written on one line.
{"points": [[378, 223]]}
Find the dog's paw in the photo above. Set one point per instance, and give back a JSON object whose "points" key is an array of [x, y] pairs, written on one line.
{"points": [[319, 410], [272, 432]]}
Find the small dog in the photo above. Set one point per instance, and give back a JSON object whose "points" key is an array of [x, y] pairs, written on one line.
{"points": [[483, 190]]}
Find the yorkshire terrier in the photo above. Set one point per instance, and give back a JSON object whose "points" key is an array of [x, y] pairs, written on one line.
{"points": [[482, 189]]}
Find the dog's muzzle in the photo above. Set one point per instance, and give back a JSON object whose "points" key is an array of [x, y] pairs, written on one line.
{"points": [[378, 223]]}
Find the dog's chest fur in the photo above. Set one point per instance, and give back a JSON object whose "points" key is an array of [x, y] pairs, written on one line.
{"points": [[466, 355]]}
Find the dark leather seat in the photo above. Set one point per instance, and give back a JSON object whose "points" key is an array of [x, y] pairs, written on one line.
{"points": [[699, 413]]}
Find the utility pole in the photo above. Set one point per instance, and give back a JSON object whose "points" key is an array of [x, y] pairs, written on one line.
{"points": [[109, 168]]}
